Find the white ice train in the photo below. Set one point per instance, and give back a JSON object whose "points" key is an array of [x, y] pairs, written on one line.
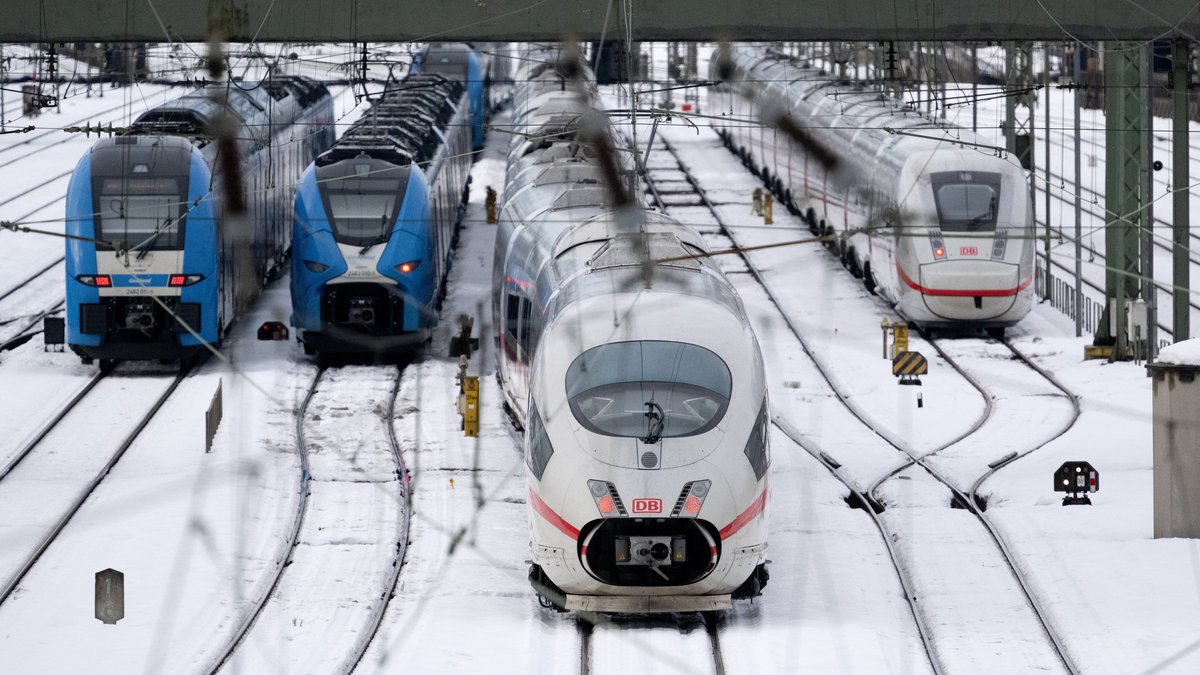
{"points": [[640, 387], [931, 220]]}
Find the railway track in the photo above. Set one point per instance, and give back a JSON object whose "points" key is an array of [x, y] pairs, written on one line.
{"points": [[870, 499], [321, 542], [631, 644], [32, 477]]}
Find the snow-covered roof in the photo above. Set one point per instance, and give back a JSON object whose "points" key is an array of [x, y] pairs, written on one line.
{"points": [[1185, 353]]}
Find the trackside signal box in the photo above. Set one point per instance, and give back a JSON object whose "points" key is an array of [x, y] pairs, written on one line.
{"points": [[273, 330], [1077, 479]]}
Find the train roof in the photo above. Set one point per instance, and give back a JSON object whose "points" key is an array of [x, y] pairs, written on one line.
{"points": [[278, 100], [403, 125], [455, 53]]}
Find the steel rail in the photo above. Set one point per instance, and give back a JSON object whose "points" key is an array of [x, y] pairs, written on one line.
{"points": [[11, 584], [46, 428], [401, 535], [864, 416], [906, 584], [282, 562]]}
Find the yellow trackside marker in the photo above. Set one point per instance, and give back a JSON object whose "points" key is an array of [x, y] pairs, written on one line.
{"points": [[470, 411]]}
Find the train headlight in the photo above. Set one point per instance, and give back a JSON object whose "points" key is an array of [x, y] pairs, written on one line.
{"points": [[939, 248], [176, 280], [608, 502], [315, 267], [406, 267], [97, 280], [691, 499]]}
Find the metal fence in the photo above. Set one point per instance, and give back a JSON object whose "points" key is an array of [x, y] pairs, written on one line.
{"points": [[1062, 297]]}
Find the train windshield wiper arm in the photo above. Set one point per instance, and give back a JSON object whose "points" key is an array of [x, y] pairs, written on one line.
{"points": [[144, 247], [654, 413], [382, 227]]}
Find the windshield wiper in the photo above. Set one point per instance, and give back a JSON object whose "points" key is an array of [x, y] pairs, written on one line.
{"points": [[382, 226], [654, 413], [144, 247]]}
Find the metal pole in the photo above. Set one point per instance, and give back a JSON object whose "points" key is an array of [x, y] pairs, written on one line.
{"points": [[1078, 212], [1181, 317], [1046, 188], [974, 89], [1149, 290]]}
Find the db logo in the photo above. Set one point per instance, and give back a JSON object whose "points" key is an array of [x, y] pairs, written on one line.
{"points": [[968, 250], [647, 506]]}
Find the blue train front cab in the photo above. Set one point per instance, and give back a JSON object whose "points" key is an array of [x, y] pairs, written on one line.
{"points": [[364, 267], [141, 271]]}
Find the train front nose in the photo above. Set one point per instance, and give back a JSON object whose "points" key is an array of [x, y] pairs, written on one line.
{"points": [[976, 290]]}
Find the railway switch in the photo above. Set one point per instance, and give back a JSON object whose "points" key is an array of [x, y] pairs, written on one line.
{"points": [[1077, 479]]}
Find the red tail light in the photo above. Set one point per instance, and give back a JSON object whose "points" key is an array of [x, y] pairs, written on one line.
{"points": [[406, 267], [177, 280], [104, 280], [606, 504]]}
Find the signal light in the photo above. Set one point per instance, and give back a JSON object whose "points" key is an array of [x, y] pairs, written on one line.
{"points": [[606, 505], [272, 330], [406, 267], [1075, 478], [691, 505], [939, 253]]}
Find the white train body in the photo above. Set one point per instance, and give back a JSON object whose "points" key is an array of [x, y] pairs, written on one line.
{"points": [[641, 388], [932, 221]]}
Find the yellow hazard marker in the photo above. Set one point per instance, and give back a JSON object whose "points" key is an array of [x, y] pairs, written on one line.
{"points": [[908, 365], [470, 405]]}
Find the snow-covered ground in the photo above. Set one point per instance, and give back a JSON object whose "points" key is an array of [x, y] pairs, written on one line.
{"points": [[200, 536]]}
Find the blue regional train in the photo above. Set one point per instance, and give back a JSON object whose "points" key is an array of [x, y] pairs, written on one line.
{"points": [[458, 61], [376, 217], [160, 265]]}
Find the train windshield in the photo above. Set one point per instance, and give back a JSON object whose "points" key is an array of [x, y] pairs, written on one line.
{"points": [[141, 214], [967, 201], [362, 198], [648, 389]]}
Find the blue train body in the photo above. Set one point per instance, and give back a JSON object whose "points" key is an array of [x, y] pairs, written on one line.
{"points": [[457, 61], [159, 269], [376, 218]]}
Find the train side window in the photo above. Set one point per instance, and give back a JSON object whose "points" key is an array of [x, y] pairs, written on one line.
{"points": [[757, 446], [523, 329], [537, 444], [512, 303]]}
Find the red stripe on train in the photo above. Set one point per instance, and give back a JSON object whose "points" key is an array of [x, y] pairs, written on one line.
{"points": [[551, 517], [746, 516]]}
